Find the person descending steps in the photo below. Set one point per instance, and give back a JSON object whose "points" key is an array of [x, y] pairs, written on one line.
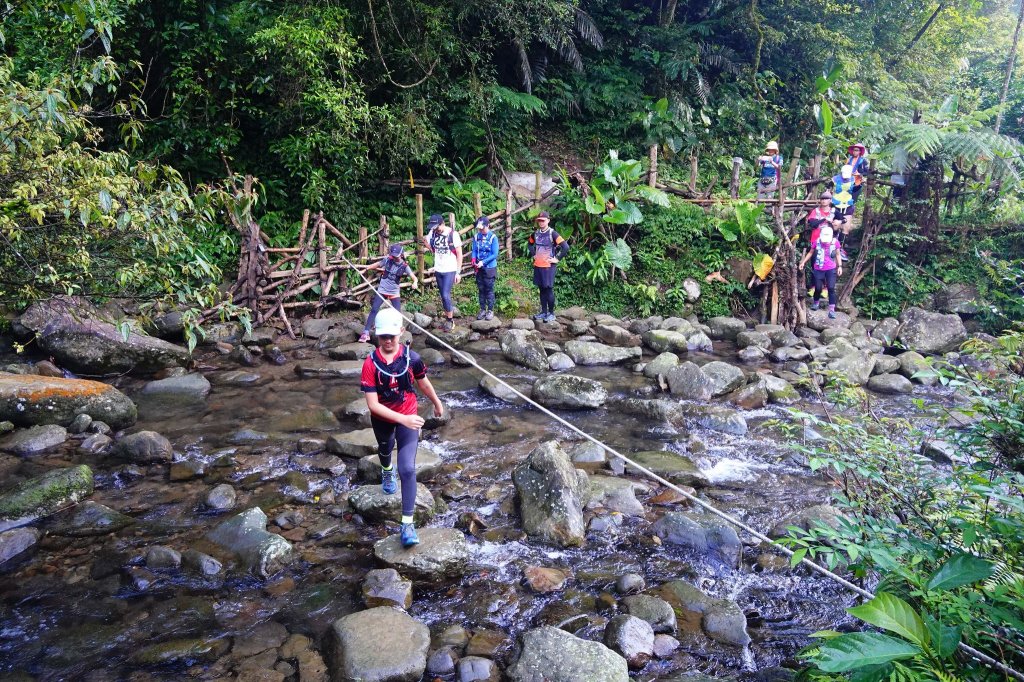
{"points": [[485, 264], [546, 247], [828, 264], [388, 379], [393, 268]]}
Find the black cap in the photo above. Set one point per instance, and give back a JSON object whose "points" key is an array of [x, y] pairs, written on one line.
{"points": [[434, 220], [543, 214], [396, 250]]}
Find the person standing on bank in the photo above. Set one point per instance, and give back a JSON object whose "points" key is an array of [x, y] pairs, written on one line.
{"points": [[393, 268], [446, 245], [770, 164], [388, 377], [828, 265], [546, 247], [485, 264]]}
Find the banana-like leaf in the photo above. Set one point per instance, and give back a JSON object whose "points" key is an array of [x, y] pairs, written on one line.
{"points": [[895, 615], [862, 649]]}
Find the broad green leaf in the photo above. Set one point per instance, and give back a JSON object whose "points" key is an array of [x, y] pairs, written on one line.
{"points": [[616, 217], [728, 232], [962, 569], [895, 615], [619, 254], [862, 649], [106, 202], [632, 212], [825, 118], [945, 639], [653, 196]]}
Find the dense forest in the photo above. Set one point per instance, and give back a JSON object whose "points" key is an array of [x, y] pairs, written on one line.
{"points": [[333, 106]]}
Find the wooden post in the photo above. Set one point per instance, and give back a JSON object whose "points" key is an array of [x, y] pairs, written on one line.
{"points": [[508, 225], [815, 167], [693, 174], [384, 236], [734, 184], [477, 209], [420, 263], [537, 191], [364, 246], [790, 174], [652, 172]]}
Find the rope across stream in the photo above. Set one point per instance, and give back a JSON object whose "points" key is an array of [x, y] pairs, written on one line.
{"points": [[470, 361]]}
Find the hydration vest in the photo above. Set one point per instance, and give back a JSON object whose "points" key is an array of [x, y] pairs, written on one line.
{"points": [[768, 169], [441, 244], [842, 195], [543, 248], [391, 388], [393, 269], [819, 252]]}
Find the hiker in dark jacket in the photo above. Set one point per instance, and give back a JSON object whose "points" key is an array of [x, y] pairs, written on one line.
{"points": [[546, 247]]}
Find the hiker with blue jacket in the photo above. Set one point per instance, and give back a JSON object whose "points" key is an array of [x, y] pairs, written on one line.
{"points": [[485, 264]]}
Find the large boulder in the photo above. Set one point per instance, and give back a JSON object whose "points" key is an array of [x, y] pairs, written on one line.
{"points": [[34, 440], [726, 327], [661, 365], [442, 552], [819, 320], [931, 333], [614, 335], [671, 465], [499, 390], [261, 553], [689, 382], [551, 493], [756, 339], [855, 367], [43, 495], [632, 638], [890, 384], [569, 391], [381, 644], [720, 619], [524, 348], [79, 338], [591, 353], [665, 340], [716, 418], [375, 505], [554, 655], [917, 368], [886, 331], [188, 388], [960, 299], [29, 400], [724, 377], [703, 534]]}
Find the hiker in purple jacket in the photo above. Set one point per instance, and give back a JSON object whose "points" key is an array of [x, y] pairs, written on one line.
{"points": [[828, 265]]}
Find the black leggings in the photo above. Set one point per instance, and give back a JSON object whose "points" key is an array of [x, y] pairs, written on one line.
{"points": [[485, 287], [825, 278], [408, 440], [547, 300], [396, 303], [445, 282]]}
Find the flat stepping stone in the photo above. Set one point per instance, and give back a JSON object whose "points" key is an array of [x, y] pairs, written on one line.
{"points": [[377, 506], [442, 552]]}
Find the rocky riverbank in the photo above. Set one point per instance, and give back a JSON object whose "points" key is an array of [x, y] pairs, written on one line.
{"points": [[220, 516]]}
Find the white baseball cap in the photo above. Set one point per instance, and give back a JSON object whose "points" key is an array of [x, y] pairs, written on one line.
{"points": [[824, 236], [389, 321], [846, 171]]}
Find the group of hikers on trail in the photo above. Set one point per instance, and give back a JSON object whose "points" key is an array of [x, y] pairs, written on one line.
{"points": [[829, 222], [393, 370]]}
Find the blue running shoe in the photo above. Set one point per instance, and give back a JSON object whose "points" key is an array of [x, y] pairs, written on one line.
{"points": [[832, 314], [409, 537], [388, 480]]}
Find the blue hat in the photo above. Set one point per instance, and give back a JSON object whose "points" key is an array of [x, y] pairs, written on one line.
{"points": [[483, 221], [396, 251], [434, 220]]}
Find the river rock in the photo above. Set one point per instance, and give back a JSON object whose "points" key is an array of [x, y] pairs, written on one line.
{"points": [[377, 506], [554, 655], [34, 440], [442, 662], [145, 447], [615, 494], [186, 389], [221, 498], [780, 391], [384, 587], [753, 396], [161, 557], [725, 327], [837, 348], [656, 611], [689, 382], [931, 333], [716, 418], [427, 464], [43, 495], [544, 579], [360, 443], [351, 351], [670, 465], [524, 348], [560, 362], [15, 541], [917, 368], [200, 564], [789, 354], [819, 319], [632, 638], [591, 353], [891, 384], [344, 369], [721, 619], [783, 338], [886, 331], [806, 519], [188, 650], [751, 355], [661, 365], [832, 333], [702, 534], [699, 341], [462, 358], [615, 335], [89, 519], [677, 324], [747, 339], [442, 552], [569, 392], [551, 494], [478, 669], [377, 645], [78, 337], [886, 364], [30, 400], [855, 368], [665, 340], [261, 553], [940, 451], [456, 338], [499, 390], [724, 377]]}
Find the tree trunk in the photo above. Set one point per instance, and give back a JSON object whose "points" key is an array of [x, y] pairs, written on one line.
{"points": [[1010, 59]]}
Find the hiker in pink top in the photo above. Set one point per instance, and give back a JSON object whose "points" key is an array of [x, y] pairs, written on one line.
{"points": [[828, 265]]}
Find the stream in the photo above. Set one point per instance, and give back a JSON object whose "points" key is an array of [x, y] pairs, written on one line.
{"points": [[67, 611]]}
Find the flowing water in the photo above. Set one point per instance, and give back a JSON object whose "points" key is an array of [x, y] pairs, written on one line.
{"points": [[67, 612]]}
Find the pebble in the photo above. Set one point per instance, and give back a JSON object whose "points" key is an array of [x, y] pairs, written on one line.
{"points": [[221, 498], [630, 583], [442, 662], [158, 557]]}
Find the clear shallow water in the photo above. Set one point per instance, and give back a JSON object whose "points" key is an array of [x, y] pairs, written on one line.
{"points": [[66, 611]]}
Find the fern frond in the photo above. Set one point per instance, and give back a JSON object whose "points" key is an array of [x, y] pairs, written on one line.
{"points": [[587, 29], [569, 54], [523, 66]]}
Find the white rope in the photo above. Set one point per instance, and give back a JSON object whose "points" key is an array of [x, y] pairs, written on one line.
{"points": [[469, 360]]}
